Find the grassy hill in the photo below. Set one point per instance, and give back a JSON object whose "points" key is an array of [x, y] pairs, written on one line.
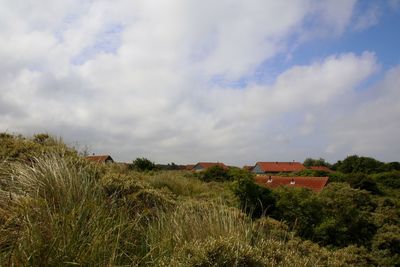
{"points": [[56, 209]]}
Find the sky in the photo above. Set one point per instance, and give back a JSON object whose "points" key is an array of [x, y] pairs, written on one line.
{"points": [[185, 81]]}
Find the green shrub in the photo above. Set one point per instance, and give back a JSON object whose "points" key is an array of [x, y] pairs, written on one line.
{"points": [[389, 179], [215, 173], [362, 181], [143, 164], [254, 199], [347, 216], [300, 208]]}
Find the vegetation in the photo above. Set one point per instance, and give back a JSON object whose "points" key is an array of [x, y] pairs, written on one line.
{"points": [[143, 164], [309, 162], [56, 209]]}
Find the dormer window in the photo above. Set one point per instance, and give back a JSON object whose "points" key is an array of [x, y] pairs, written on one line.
{"points": [[269, 179], [292, 181]]}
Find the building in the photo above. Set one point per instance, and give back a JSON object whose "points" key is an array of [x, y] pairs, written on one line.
{"points": [[100, 158], [248, 168], [205, 165], [276, 167], [313, 183], [189, 167]]}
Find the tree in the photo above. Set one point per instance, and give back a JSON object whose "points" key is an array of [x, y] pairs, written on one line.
{"points": [[255, 200], [354, 164], [299, 208], [143, 164], [362, 181], [308, 162], [347, 216]]}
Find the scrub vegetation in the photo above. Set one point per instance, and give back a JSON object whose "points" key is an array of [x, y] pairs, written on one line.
{"points": [[56, 208]]}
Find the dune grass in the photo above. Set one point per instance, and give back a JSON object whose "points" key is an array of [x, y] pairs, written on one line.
{"points": [[58, 210], [57, 214]]}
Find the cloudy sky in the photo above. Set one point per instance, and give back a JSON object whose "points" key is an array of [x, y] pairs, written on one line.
{"points": [[218, 80]]}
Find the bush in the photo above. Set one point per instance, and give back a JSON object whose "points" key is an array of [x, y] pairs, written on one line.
{"points": [[356, 164], [347, 216], [254, 199], [215, 173], [362, 181], [389, 179], [143, 164], [308, 162], [300, 208]]}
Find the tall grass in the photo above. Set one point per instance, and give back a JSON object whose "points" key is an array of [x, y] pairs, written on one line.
{"points": [[57, 211], [57, 214], [211, 234]]}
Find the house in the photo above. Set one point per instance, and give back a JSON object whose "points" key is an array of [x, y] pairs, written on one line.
{"points": [[205, 165], [248, 168], [189, 167], [276, 167], [100, 158], [320, 168], [314, 183]]}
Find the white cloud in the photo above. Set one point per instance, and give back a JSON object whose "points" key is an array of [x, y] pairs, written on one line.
{"points": [[146, 89], [373, 129], [369, 18]]}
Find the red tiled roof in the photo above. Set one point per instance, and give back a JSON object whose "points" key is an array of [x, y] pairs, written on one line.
{"points": [[280, 166], [99, 158], [189, 166], [320, 168], [314, 183], [206, 165]]}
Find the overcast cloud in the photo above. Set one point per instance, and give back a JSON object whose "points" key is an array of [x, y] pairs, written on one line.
{"points": [[182, 81]]}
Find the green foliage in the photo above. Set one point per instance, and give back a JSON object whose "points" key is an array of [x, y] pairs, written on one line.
{"points": [[236, 174], [59, 209], [143, 164], [389, 179], [214, 173], [308, 162], [254, 199], [335, 177], [346, 216], [392, 166], [356, 164], [386, 242], [306, 172], [362, 181], [300, 208]]}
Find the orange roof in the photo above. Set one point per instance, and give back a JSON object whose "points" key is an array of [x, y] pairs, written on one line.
{"points": [[99, 158], [320, 168], [189, 166], [314, 183], [280, 166], [206, 165]]}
